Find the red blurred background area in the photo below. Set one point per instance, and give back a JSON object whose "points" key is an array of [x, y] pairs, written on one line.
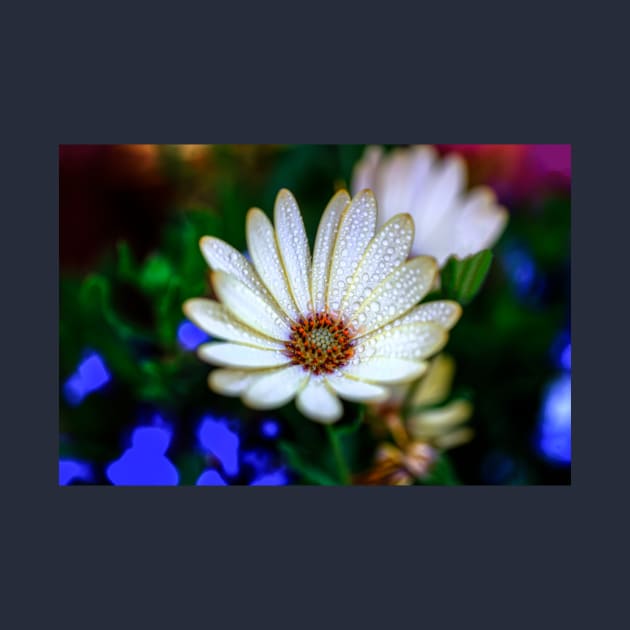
{"points": [[113, 192], [108, 192]]}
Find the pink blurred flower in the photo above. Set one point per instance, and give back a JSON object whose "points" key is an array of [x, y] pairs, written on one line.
{"points": [[517, 172]]}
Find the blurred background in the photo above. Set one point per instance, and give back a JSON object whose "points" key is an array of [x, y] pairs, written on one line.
{"points": [[135, 408]]}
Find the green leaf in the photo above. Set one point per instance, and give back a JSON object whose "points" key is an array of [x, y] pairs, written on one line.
{"points": [[308, 471], [155, 274], [169, 312], [462, 279], [96, 303], [126, 266], [441, 473], [349, 428], [157, 380], [190, 466]]}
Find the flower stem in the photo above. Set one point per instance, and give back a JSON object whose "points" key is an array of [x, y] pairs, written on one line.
{"points": [[342, 466]]}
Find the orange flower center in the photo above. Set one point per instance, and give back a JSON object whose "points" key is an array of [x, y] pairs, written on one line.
{"points": [[321, 343]]}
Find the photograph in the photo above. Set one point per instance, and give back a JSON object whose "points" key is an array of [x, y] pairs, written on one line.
{"points": [[314, 314]]}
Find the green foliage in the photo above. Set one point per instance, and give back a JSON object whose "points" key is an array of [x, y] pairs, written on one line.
{"points": [[462, 279], [309, 471], [442, 473], [547, 231], [323, 454], [190, 466]]}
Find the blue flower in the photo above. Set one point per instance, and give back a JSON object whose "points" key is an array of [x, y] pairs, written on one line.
{"points": [[190, 336], [565, 357], [91, 375], [522, 271], [561, 351], [211, 478], [237, 465], [145, 463], [270, 428], [215, 437], [71, 470], [554, 434], [275, 478]]}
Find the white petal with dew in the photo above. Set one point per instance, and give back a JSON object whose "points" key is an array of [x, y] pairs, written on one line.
{"points": [[359, 391], [387, 250], [318, 402], [215, 319], [249, 307], [237, 355], [386, 370], [263, 249], [275, 388], [356, 229], [445, 313], [412, 342], [223, 257], [294, 249], [397, 294], [324, 243]]}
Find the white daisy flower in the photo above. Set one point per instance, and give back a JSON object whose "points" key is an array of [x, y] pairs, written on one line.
{"points": [[344, 324], [449, 221]]}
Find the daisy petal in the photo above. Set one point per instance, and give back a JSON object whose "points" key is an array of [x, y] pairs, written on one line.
{"points": [[223, 257], [294, 250], [390, 180], [447, 184], [237, 355], [434, 422], [230, 382], [356, 229], [386, 370], [436, 384], [446, 313], [318, 402], [263, 248], [215, 319], [324, 242], [420, 164], [359, 391], [480, 222], [386, 251], [454, 438], [397, 294], [250, 308], [412, 342], [398, 179], [365, 169], [275, 388]]}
